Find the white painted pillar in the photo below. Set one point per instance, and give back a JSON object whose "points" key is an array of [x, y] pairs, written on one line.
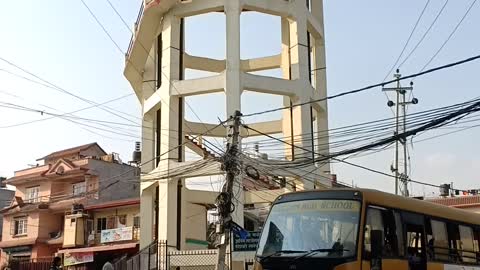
{"points": [[167, 202], [148, 143], [233, 85], [302, 126], [285, 65], [147, 210], [321, 86]]}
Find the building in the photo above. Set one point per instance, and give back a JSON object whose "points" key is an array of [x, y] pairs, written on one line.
{"points": [[156, 64], [101, 233], [6, 196], [78, 193], [470, 203]]}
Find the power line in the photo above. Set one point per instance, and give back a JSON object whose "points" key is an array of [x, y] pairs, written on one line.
{"points": [[450, 36], [148, 55], [421, 73], [154, 92], [435, 123], [424, 34], [72, 112], [158, 156], [62, 90], [408, 40]]}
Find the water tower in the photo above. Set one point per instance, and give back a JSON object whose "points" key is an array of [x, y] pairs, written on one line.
{"points": [[155, 66]]}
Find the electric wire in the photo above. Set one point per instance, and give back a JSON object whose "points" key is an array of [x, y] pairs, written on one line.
{"points": [[449, 36], [362, 89], [408, 40]]}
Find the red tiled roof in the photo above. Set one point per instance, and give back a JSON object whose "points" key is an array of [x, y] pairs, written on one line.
{"points": [[457, 201], [72, 150]]}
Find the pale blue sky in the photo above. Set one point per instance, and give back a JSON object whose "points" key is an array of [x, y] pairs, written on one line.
{"points": [[60, 41]]}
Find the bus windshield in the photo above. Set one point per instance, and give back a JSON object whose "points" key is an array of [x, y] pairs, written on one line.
{"points": [[311, 228]]}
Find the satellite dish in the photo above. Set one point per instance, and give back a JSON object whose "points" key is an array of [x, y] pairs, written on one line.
{"points": [[108, 266]]}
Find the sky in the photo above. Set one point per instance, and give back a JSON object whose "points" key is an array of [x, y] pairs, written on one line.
{"points": [[60, 42]]}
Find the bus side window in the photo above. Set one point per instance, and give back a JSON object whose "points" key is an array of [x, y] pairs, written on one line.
{"points": [[476, 241], [466, 240], [390, 233], [374, 222], [400, 235], [388, 222], [438, 244], [454, 243]]}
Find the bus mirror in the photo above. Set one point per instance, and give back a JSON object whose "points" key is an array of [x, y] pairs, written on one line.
{"points": [[376, 241]]}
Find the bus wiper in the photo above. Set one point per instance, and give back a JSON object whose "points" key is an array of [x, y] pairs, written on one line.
{"points": [[313, 251], [281, 252]]}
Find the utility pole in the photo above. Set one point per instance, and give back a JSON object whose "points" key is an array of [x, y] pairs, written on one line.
{"points": [[400, 92], [224, 199]]}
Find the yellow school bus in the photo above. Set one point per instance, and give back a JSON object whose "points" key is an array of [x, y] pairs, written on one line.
{"points": [[352, 229]]}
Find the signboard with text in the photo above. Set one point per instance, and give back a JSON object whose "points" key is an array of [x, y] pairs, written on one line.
{"points": [[115, 235], [77, 258], [248, 244]]}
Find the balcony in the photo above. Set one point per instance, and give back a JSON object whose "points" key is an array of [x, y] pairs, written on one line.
{"points": [[118, 235]]}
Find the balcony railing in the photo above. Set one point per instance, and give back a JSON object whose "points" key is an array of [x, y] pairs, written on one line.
{"points": [[137, 23], [117, 235], [54, 198]]}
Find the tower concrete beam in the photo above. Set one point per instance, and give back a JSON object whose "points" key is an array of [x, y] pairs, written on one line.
{"points": [[203, 63], [267, 127], [270, 85], [199, 86], [195, 129], [192, 8], [272, 7], [160, 171], [262, 63]]}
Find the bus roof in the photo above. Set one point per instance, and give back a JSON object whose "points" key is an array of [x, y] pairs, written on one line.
{"points": [[380, 198]]}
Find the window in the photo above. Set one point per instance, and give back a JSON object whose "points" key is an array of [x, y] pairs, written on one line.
{"points": [[79, 188], [331, 226], [159, 60], [374, 222], [454, 242], [136, 222], [19, 226], [399, 232], [476, 235], [121, 221], [438, 244], [32, 194], [389, 222], [111, 222], [101, 224], [466, 240]]}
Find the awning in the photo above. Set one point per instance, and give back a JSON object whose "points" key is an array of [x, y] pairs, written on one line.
{"points": [[18, 242], [99, 248]]}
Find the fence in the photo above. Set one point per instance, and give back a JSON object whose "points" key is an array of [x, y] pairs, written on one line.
{"points": [[30, 264], [157, 256], [192, 259], [146, 259]]}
